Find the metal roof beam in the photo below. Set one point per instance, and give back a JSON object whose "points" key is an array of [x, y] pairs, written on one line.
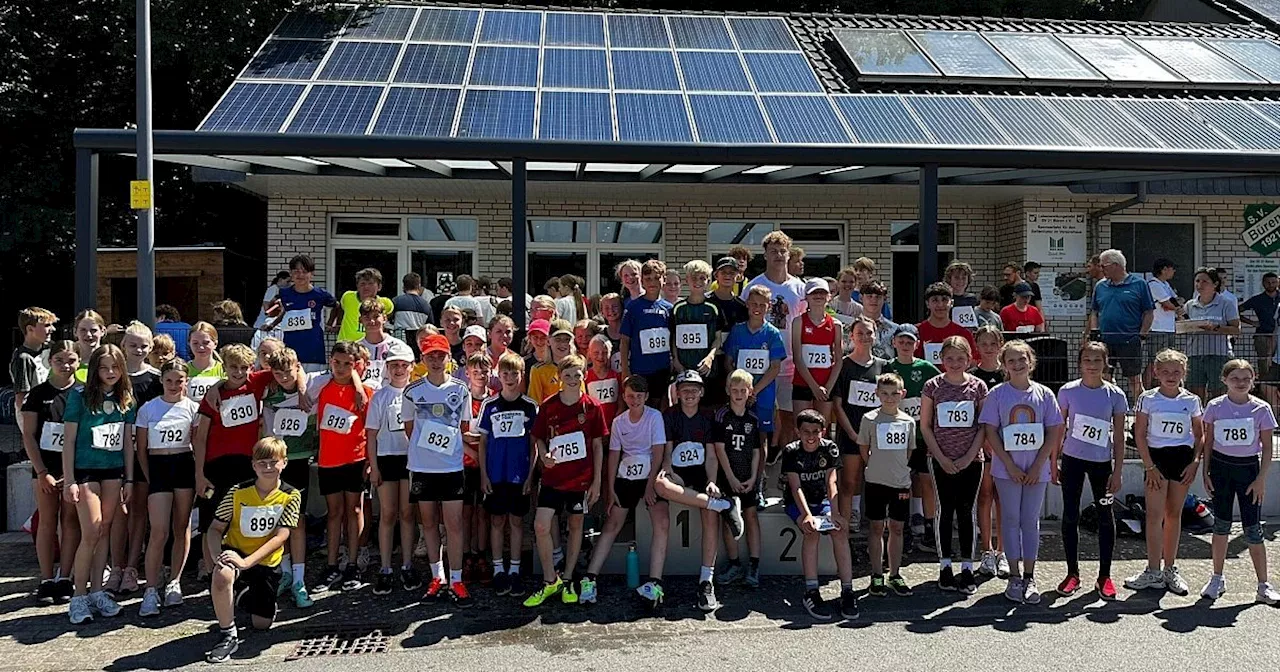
{"points": [[292, 165], [1118, 176], [653, 169], [723, 171], [354, 164], [868, 173], [796, 172], [433, 166], [1005, 175], [205, 162], [504, 166]]}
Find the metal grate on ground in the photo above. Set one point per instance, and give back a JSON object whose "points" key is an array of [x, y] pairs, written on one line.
{"points": [[349, 640]]}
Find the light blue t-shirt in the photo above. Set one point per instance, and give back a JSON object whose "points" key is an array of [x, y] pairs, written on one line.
{"points": [[1085, 409], [1120, 308], [766, 338]]}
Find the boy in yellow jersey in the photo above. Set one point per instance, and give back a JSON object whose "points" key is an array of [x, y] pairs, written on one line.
{"points": [[247, 537]]}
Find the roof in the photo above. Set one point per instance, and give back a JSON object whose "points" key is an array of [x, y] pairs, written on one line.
{"points": [[1266, 12]]}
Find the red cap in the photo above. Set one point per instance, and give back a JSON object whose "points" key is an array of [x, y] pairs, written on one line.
{"points": [[435, 343], [540, 326]]}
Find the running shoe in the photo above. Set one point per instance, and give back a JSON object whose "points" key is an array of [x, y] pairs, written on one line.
{"points": [[485, 570], [501, 584], [988, 565], [227, 644], [285, 585], [1002, 565], [1267, 594], [301, 599], [113, 580], [1149, 578], [733, 516], [848, 605], [1106, 588], [707, 597], [332, 577], [652, 592], [946, 579], [1030, 593], [1216, 587], [731, 575], [351, 578], [753, 576], [102, 603], [877, 587], [966, 584], [1069, 585], [461, 598], [816, 606], [545, 593], [855, 523], [1013, 592], [65, 589], [150, 603], [173, 594], [79, 610], [363, 558], [469, 568], [410, 579], [517, 584], [46, 590], [587, 590], [569, 594], [1174, 582], [382, 584], [129, 580], [899, 586], [435, 589], [927, 542]]}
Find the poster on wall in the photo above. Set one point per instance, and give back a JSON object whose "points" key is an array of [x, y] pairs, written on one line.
{"points": [[1247, 276], [1262, 228], [1056, 237], [1064, 293]]}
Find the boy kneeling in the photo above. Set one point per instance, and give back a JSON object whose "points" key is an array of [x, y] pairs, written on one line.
{"points": [[247, 539]]}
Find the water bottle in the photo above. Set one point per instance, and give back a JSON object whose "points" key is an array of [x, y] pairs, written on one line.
{"points": [[633, 567]]}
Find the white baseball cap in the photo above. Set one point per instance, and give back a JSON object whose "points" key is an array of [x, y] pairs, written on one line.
{"points": [[399, 352], [816, 284], [477, 331]]}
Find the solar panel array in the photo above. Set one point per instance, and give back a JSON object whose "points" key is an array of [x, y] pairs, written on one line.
{"points": [[1011, 56]]}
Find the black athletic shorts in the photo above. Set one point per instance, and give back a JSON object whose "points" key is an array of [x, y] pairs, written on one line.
{"points": [[801, 392], [848, 446], [346, 478], [1126, 358], [297, 473], [393, 467], [507, 499], [1172, 460], [442, 487], [255, 590], [884, 502], [629, 493], [658, 381], [172, 472], [472, 495], [692, 477], [714, 395], [52, 462], [99, 475], [749, 499], [224, 473], [919, 460], [562, 501]]}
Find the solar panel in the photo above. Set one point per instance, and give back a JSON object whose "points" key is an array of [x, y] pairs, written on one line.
{"points": [[360, 62], [1170, 123], [1028, 121], [1195, 61], [638, 31], [446, 25], [955, 120], [964, 54], [645, 71], [782, 73], [1260, 56], [1119, 59], [505, 66], [418, 112], [498, 115], [1239, 122], [883, 52], [380, 23], [1269, 9], [315, 24], [511, 27], [575, 30], [433, 64], [882, 120], [722, 118], [287, 59], [713, 71], [253, 108], [575, 69], [763, 34], [699, 32], [804, 119], [652, 117], [1042, 56], [575, 115], [1101, 123], [337, 110]]}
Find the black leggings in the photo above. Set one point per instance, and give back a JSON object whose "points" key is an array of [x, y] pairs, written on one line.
{"points": [[955, 506], [1072, 473]]}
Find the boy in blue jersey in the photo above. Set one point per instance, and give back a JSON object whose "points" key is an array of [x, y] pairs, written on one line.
{"points": [[301, 314], [755, 346], [505, 457], [645, 342]]}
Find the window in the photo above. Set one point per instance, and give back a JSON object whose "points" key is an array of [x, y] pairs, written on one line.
{"points": [[906, 291], [823, 244], [437, 248], [590, 249], [1173, 239]]}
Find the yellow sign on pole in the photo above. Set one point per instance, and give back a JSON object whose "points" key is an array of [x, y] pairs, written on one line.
{"points": [[140, 194]]}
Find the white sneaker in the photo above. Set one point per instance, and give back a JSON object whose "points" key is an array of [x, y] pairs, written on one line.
{"points": [[1148, 579], [150, 603], [173, 594], [1216, 587], [1002, 565], [362, 558], [79, 610], [1174, 582], [102, 603], [988, 566], [1030, 594], [1267, 594]]}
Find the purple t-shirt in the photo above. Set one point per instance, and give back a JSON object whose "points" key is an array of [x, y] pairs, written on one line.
{"points": [[1007, 405], [1086, 410], [955, 409], [1234, 438]]}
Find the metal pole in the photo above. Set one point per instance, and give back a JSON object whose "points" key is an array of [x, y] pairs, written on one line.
{"points": [[928, 224], [86, 229], [146, 218], [519, 260]]}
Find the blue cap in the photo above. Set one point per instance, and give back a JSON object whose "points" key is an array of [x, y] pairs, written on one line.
{"points": [[1023, 289], [908, 330]]}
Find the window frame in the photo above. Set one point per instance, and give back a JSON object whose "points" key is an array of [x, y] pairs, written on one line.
{"points": [[1198, 233], [593, 249], [814, 248], [401, 245]]}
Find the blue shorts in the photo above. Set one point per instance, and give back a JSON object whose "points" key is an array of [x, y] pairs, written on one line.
{"points": [[822, 508], [765, 405]]}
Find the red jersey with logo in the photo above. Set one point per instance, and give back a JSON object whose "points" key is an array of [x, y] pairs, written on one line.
{"points": [[239, 438], [556, 419], [606, 390], [335, 412], [815, 348], [932, 334]]}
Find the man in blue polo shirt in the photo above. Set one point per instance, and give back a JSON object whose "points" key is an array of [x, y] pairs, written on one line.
{"points": [[1122, 312]]}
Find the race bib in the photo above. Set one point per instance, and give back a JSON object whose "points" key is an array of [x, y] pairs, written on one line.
{"points": [[1025, 436], [655, 341], [1091, 430], [169, 435], [259, 521], [911, 407], [51, 437], [688, 454], [933, 353], [691, 336], [289, 422], [337, 420], [297, 320], [197, 387], [374, 374], [508, 424], [438, 438], [569, 447], [239, 410], [862, 393], [109, 436], [1025, 328], [956, 414], [615, 362], [1170, 426], [604, 391], [816, 356], [634, 467], [965, 316], [754, 362], [1235, 432], [893, 435], [395, 419]]}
